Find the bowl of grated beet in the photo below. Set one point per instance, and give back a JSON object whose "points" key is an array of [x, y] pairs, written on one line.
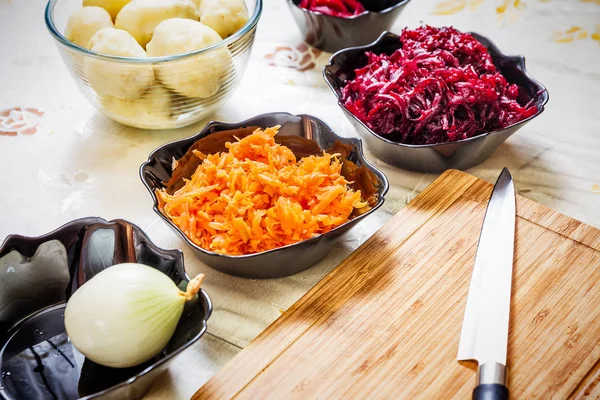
{"points": [[331, 25], [433, 99]]}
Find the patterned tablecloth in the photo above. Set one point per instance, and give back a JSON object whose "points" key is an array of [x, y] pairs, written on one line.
{"points": [[60, 159]]}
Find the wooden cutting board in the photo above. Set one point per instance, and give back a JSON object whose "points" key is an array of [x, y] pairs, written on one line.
{"points": [[385, 323]]}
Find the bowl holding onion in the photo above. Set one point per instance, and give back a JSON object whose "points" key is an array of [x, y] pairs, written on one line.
{"points": [[117, 340]]}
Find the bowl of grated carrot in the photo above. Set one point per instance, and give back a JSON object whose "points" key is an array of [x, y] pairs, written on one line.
{"points": [[266, 197]]}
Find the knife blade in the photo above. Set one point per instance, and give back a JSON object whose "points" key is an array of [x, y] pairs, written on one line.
{"points": [[484, 334]]}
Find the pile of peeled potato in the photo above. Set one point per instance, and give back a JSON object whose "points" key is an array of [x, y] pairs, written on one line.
{"points": [[154, 28]]}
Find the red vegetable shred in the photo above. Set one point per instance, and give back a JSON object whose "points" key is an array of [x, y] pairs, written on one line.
{"points": [[335, 8], [439, 86]]}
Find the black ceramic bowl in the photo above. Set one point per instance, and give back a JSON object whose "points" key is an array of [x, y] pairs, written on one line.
{"points": [[334, 33], [37, 360], [461, 154], [304, 135]]}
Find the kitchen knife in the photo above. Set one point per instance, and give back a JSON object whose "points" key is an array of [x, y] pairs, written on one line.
{"points": [[484, 335]]}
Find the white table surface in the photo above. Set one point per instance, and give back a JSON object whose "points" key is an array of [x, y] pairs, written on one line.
{"points": [[78, 163]]}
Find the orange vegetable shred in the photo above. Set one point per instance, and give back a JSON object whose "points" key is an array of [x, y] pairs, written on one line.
{"points": [[258, 197]]}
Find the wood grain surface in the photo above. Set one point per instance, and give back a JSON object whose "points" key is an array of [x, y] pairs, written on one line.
{"points": [[385, 323]]}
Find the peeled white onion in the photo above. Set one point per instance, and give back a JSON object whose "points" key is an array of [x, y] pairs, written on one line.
{"points": [[126, 314]]}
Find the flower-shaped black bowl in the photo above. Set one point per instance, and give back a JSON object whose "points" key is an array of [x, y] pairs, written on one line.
{"points": [[334, 33], [304, 135], [461, 154], [37, 277]]}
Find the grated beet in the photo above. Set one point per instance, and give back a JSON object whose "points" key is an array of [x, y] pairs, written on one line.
{"points": [[335, 8], [440, 86]]}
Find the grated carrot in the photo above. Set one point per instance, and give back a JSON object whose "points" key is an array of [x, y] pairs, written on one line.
{"points": [[258, 197]]}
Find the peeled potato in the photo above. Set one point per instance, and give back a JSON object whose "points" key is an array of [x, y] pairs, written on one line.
{"points": [[112, 6], [152, 110], [140, 17], [119, 79], [197, 76], [224, 16], [84, 22]]}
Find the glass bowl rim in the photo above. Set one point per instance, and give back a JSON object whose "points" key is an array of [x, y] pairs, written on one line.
{"points": [[49, 17]]}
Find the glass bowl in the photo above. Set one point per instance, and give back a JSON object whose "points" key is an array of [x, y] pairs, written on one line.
{"points": [[122, 88], [433, 158], [304, 135]]}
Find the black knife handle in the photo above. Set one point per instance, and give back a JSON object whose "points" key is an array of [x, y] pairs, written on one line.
{"points": [[490, 391], [491, 382]]}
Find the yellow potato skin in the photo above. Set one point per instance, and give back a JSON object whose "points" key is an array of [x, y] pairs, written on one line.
{"points": [[194, 76], [112, 6], [123, 80], [85, 22], [140, 17], [225, 16]]}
